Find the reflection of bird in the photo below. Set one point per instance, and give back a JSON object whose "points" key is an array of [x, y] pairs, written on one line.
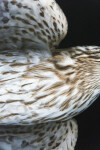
{"points": [[55, 136]]}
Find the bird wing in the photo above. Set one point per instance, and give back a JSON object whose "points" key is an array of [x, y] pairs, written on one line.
{"points": [[29, 93], [48, 91]]}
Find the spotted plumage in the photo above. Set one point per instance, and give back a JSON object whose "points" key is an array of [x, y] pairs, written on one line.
{"points": [[38, 84], [55, 136], [28, 31], [56, 88], [32, 24]]}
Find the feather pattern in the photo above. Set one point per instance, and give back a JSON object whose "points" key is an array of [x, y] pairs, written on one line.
{"points": [[32, 24], [39, 84], [51, 90], [49, 136]]}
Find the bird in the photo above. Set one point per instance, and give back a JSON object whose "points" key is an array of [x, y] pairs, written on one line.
{"points": [[28, 32], [33, 24], [41, 87], [55, 136], [34, 96], [56, 89]]}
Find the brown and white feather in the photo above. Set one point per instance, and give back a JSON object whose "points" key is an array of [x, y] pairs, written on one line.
{"points": [[57, 88], [49, 136]]}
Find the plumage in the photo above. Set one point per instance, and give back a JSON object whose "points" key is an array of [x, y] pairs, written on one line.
{"points": [[38, 84], [54, 136], [56, 88], [28, 32], [32, 24]]}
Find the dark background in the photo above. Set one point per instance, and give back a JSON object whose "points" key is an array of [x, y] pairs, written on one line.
{"points": [[84, 29]]}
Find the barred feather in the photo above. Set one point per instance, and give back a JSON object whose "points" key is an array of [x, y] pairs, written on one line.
{"points": [[57, 88]]}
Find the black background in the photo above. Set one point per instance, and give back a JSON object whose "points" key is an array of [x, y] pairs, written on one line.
{"points": [[84, 29]]}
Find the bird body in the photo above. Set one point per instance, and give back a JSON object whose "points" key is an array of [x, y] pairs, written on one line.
{"points": [[31, 24], [29, 29], [39, 84], [49, 136], [56, 88]]}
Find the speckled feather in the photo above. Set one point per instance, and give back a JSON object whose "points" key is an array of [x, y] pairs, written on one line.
{"points": [[28, 30], [36, 87], [31, 24], [58, 88], [49, 136]]}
